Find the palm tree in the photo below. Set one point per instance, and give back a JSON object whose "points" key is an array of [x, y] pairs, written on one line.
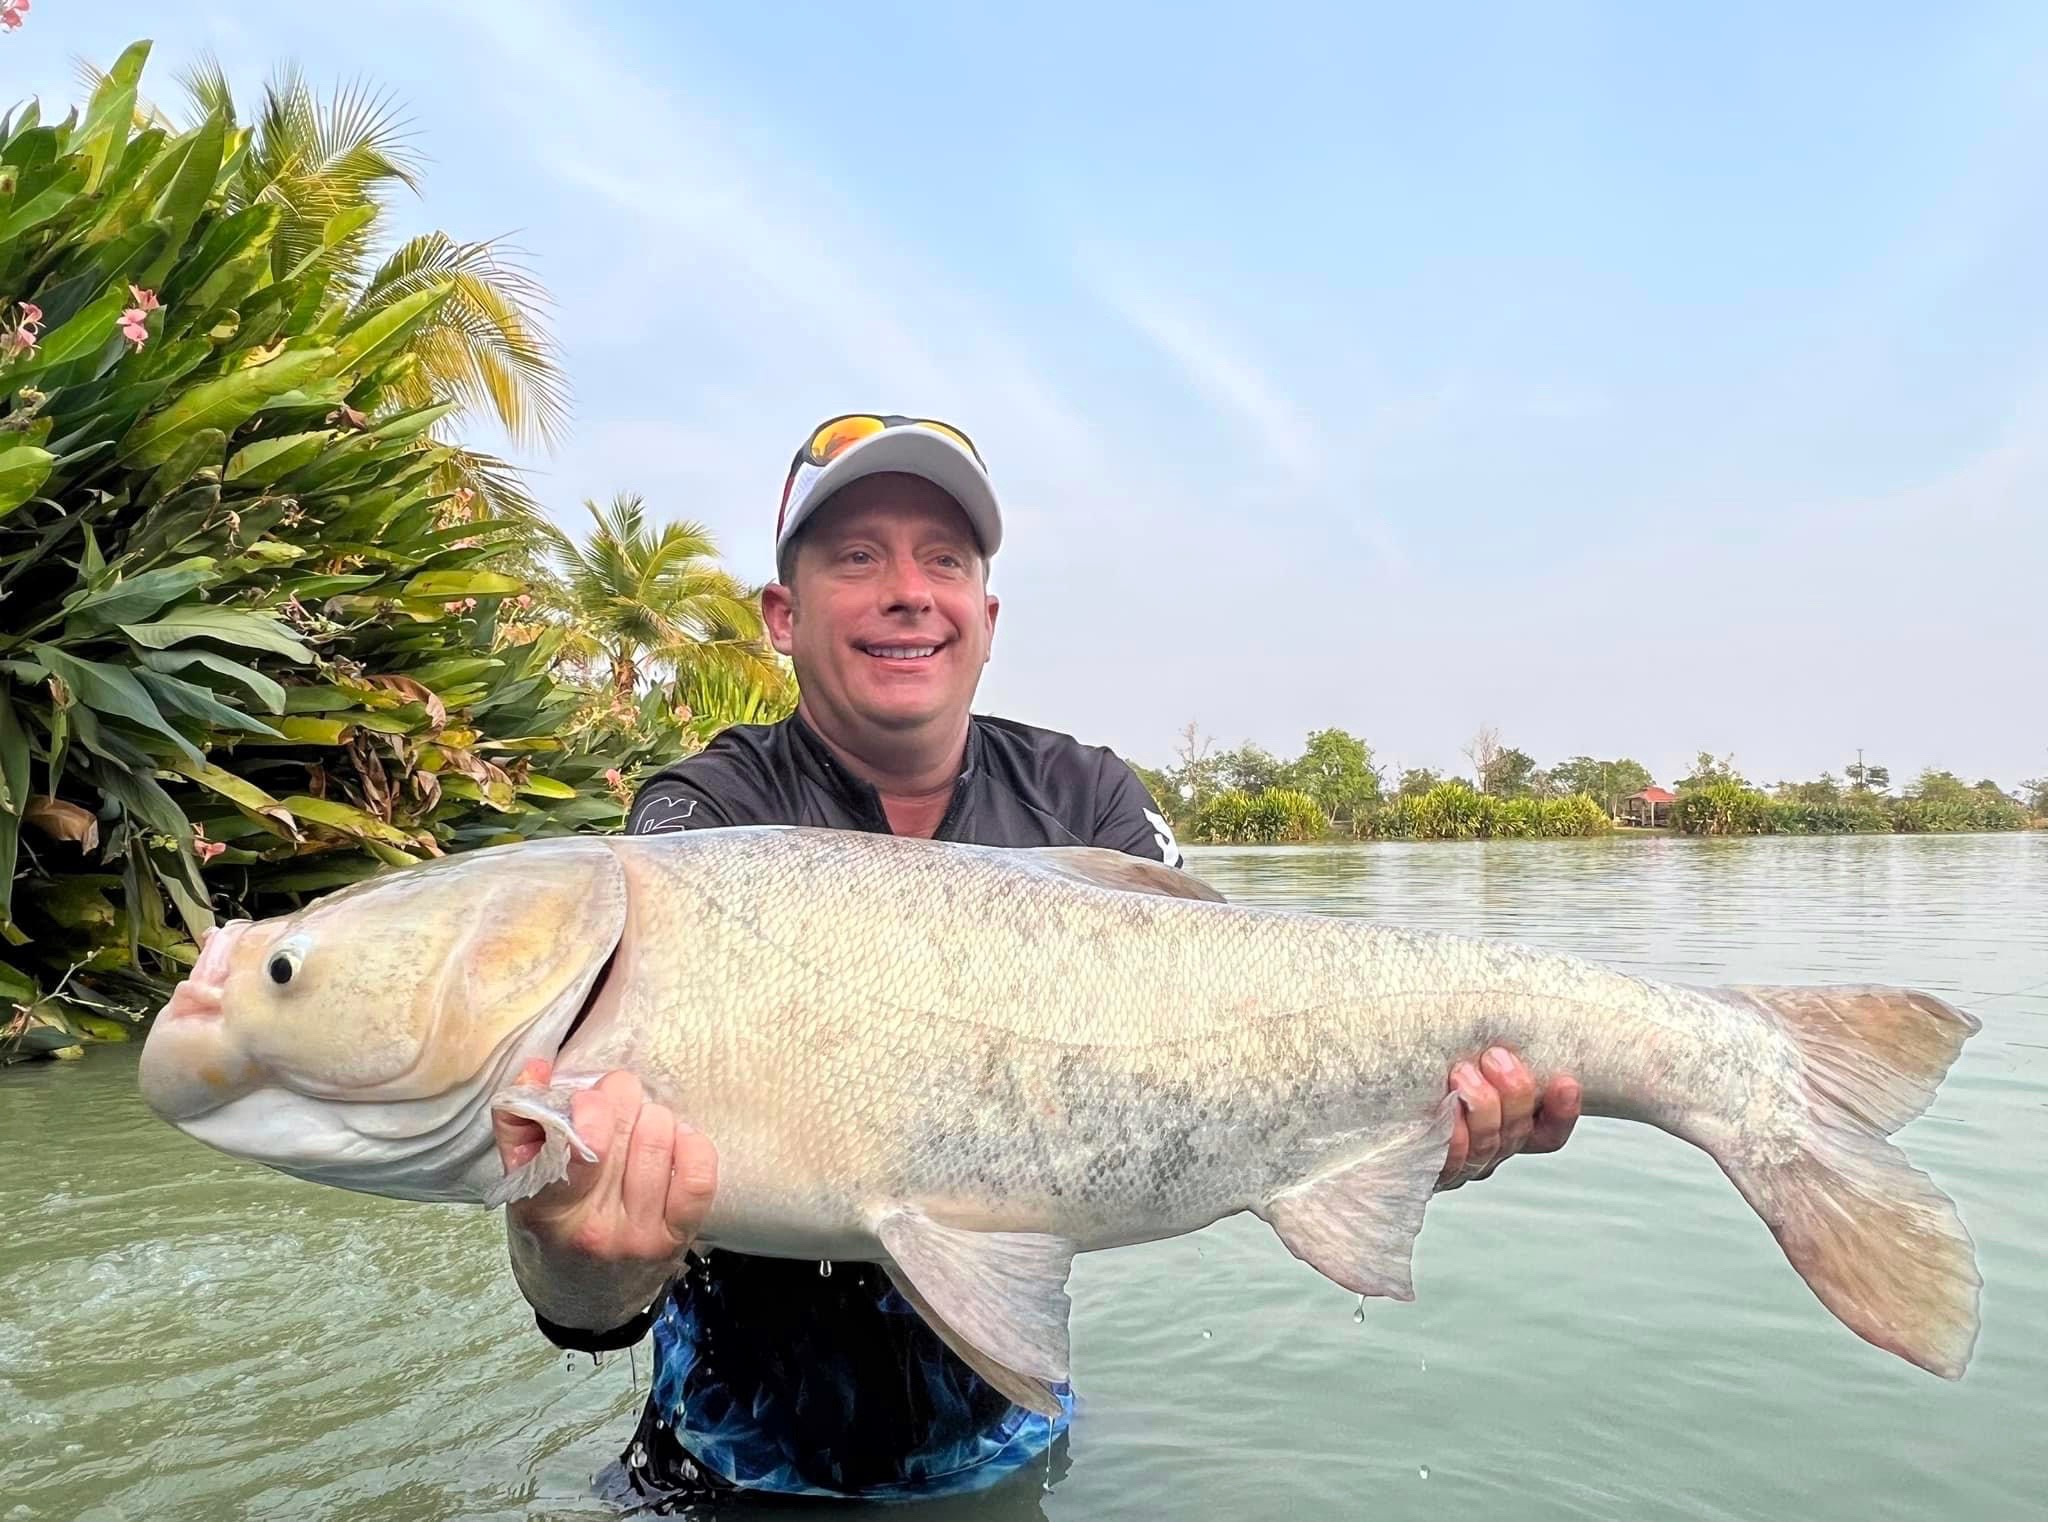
{"points": [[333, 167], [646, 606]]}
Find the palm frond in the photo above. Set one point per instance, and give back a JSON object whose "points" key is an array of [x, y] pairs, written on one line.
{"points": [[488, 348], [362, 140], [207, 89]]}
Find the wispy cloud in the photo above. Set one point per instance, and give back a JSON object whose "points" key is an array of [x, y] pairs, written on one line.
{"points": [[1291, 463], [807, 304], [1283, 431]]}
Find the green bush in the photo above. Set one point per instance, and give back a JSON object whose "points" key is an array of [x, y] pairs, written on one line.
{"points": [[248, 651], [1455, 811], [1723, 808], [1277, 814], [1575, 815], [1729, 808]]}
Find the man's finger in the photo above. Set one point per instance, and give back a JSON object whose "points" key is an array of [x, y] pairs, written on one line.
{"points": [[692, 1183], [1512, 1081], [649, 1157], [1460, 1149], [1482, 1115], [1557, 1115], [603, 1116]]}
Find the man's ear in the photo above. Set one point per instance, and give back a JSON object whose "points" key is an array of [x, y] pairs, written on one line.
{"points": [[778, 612], [995, 606]]}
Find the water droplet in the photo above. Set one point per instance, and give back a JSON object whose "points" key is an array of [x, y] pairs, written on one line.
{"points": [[638, 1457], [689, 1470], [1358, 1316], [1425, 1365], [824, 1269], [1207, 1335], [1425, 1471], [661, 1424]]}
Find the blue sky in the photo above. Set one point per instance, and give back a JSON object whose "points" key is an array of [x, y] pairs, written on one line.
{"points": [[1632, 382]]}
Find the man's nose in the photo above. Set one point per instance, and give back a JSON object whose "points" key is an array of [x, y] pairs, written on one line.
{"points": [[905, 588]]}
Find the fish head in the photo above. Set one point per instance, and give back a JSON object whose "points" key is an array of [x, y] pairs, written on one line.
{"points": [[355, 1040]]}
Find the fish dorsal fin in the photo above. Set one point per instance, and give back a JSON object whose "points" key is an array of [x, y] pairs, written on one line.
{"points": [[1122, 871], [997, 1298]]}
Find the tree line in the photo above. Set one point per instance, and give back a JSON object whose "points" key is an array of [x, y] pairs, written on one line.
{"points": [[1337, 783]]}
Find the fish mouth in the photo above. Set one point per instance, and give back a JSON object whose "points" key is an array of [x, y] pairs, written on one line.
{"points": [[202, 992]]}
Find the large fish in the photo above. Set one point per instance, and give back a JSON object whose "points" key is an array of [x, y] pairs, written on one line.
{"points": [[970, 1064]]}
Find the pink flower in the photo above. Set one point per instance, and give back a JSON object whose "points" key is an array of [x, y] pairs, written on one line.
{"points": [[22, 338], [11, 13], [460, 605], [612, 777], [134, 321], [203, 848]]}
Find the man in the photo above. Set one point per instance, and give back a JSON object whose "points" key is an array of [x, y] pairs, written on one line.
{"points": [[773, 1375]]}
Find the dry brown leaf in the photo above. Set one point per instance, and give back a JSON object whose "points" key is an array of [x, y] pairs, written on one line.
{"points": [[64, 821], [419, 692]]}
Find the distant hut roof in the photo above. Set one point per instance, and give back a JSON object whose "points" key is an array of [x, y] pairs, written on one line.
{"points": [[1655, 795]]}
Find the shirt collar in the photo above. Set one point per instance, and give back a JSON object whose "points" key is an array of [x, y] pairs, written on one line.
{"points": [[818, 763]]}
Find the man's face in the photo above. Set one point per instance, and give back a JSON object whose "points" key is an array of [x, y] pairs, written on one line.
{"points": [[888, 619]]}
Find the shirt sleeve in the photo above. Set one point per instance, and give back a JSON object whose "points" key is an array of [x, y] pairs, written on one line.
{"points": [[1129, 820]]}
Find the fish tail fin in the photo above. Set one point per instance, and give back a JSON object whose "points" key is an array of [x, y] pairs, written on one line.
{"points": [[1871, 1235], [548, 1108]]}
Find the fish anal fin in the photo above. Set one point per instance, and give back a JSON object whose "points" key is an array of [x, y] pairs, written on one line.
{"points": [[1001, 1293], [1032, 1394], [1356, 1223], [1124, 872]]}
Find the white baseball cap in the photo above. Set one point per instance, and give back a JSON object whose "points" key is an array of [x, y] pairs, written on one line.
{"points": [[845, 448]]}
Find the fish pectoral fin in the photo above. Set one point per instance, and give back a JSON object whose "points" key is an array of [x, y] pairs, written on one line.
{"points": [[1356, 1223], [547, 1107], [1032, 1394], [1119, 870], [1002, 1294]]}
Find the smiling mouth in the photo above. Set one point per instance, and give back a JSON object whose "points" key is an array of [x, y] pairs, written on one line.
{"points": [[902, 652]]}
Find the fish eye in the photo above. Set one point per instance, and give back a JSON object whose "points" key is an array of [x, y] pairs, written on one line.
{"points": [[284, 964]]}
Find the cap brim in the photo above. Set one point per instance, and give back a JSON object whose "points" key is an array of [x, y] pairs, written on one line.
{"points": [[916, 452]]}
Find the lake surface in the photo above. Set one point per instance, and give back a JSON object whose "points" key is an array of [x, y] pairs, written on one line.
{"points": [[1607, 1332]]}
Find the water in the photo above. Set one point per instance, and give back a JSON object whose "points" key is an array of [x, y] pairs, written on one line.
{"points": [[1606, 1333]]}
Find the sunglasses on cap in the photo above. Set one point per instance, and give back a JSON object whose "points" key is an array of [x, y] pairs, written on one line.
{"points": [[831, 439], [834, 437]]}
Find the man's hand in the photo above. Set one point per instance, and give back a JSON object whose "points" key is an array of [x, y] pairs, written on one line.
{"points": [[1502, 1115], [594, 1249]]}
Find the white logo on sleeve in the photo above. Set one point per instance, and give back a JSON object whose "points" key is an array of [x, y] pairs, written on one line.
{"points": [[1162, 832], [664, 813]]}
